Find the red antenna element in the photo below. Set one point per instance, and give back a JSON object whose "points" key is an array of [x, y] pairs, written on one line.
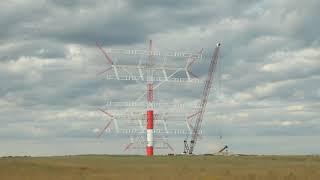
{"points": [[105, 112], [108, 124], [105, 54], [128, 146], [104, 71], [104, 129], [191, 62], [150, 92]]}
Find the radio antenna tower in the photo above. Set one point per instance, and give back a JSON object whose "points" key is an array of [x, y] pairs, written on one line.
{"points": [[152, 74], [149, 148]]}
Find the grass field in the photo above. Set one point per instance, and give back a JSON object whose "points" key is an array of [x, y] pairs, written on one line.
{"points": [[100, 167]]}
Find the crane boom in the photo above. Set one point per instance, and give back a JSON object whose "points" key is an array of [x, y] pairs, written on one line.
{"points": [[204, 99]]}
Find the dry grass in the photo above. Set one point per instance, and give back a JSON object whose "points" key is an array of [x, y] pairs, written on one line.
{"points": [[96, 167]]}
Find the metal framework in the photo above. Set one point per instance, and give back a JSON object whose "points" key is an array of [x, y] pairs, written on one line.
{"points": [[153, 75], [204, 99]]}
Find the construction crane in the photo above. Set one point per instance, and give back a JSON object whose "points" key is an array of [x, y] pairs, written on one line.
{"points": [[188, 148]]}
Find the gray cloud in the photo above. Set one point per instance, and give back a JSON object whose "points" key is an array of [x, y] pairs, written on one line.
{"points": [[266, 84]]}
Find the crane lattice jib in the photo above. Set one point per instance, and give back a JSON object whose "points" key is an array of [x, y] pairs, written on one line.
{"points": [[204, 99]]}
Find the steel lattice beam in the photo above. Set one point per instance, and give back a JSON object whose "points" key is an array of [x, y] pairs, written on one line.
{"points": [[204, 99]]}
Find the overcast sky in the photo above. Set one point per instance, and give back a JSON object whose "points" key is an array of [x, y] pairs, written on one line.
{"points": [[266, 91]]}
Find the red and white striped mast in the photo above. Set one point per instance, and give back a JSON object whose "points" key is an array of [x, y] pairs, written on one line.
{"points": [[150, 73], [149, 148]]}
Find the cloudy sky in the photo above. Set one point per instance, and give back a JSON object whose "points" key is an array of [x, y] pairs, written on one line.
{"points": [[266, 92]]}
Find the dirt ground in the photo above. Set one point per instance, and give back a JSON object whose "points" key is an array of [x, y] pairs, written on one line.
{"points": [[103, 167]]}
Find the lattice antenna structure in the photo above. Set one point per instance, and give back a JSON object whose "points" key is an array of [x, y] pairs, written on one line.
{"points": [[151, 124]]}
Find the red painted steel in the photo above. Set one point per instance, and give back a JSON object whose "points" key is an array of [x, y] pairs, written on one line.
{"points": [[150, 92], [150, 119], [149, 151], [105, 54]]}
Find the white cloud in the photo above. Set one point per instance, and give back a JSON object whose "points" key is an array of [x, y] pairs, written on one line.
{"points": [[270, 87], [28, 64], [226, 77], [295, 108], [269, 61], [264, 41], [304, 60], [243, 96], [287, 123], [277, 123], [243, 115]]}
